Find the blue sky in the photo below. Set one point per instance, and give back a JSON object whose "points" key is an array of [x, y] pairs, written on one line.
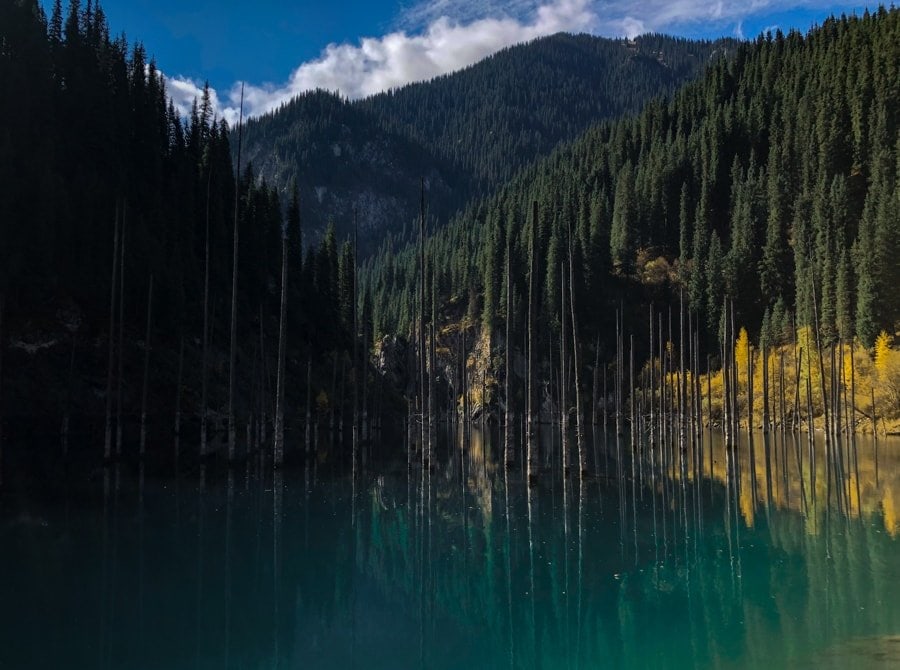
{"points": [[359, 47]]}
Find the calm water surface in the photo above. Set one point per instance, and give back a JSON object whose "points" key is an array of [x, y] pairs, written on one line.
{"points": [[735, 565]]}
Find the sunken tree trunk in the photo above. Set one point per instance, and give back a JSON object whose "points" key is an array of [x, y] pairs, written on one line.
{"points": [[107, 441], [146, 369], [579, 421], [282, 343], [530, 418], [232, 353]]}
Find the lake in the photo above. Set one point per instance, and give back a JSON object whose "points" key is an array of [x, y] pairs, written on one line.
{"points": [[742, 558]]}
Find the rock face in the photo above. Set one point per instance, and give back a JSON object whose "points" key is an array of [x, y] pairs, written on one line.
{"points": [[392, 359]]}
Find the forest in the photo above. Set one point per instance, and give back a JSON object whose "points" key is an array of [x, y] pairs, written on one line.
{"points": [[466, 132], [764, 195], [136, 270], [586, 354], [140, 277]]}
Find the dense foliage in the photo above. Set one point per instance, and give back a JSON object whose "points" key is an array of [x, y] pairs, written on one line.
{"points": [[467, 133], [88, 137], [773, 181]]}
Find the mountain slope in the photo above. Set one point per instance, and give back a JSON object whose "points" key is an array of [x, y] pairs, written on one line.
{"points": [[494, 117], [773, 181], [466, 133], [341, 158]]}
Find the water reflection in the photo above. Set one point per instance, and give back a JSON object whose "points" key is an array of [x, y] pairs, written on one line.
{"points": [[727, 557]]}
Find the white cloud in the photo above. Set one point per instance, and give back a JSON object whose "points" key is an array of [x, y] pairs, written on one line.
{"points": [[184, 91], [435, 37], [378, 63]]}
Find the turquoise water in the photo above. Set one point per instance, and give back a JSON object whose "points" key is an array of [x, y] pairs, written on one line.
{"points": [[461, 567]]}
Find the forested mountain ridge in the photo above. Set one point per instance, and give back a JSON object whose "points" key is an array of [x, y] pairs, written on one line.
{"points": [[493, 117], [466, 133], [772, 182], [340, 158]]}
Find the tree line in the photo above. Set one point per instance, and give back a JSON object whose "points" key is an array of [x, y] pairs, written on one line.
{"points": [[770, 184], [118, 252]]}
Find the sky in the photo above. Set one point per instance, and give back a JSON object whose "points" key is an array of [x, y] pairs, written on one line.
{"points": [[279, 48]]}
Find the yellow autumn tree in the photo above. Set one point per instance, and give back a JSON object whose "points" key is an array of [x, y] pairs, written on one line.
{"points": [[882, 352], [887, 373]]}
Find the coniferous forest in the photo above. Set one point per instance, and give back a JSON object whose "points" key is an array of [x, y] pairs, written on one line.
{"points": [[768, 187], [109, 192], [585, 355]]}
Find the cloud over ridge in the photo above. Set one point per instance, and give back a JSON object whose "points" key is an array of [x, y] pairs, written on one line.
{"points": [[435, 37]]}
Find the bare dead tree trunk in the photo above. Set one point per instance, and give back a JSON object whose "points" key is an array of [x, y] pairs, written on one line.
{"points": [[652, 387], [332, 396], [531, 420], [798, 423], [682, 385], [365, 381], [232, 353], [422, 355], [354, 366], [632, 401], [596, 389], [508, 452], [107, 442], [563, 365], [178, 394], [576, 358], [853, 385], [618, 378], [68, 408], [781, 391], [432, 365], [827, 426], [308, 402], [282, 344], [749, 389], [765, 387], [342, 404], [2, 343], [205, 360], [121, 333], [146, 368]]}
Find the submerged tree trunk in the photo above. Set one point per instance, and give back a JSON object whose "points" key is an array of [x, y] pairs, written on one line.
{"points": [[146, 368], [531, 419], [579, 419], [432, 364], [421, 347], [2, 309], [354, 365], [508, 451], [563, 365], [178, 394], [308, 403], [68, 408], [205, 358], [282, 344], [107, 441], [121, 334], [232, 354], [264, 381]]}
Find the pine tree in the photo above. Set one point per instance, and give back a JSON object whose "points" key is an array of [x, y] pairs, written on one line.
{"points": [[714, 288], [622, 236]]}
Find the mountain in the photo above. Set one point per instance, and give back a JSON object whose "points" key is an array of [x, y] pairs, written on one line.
{"points": [[465, 133], [340, 158], [773, 181]]}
